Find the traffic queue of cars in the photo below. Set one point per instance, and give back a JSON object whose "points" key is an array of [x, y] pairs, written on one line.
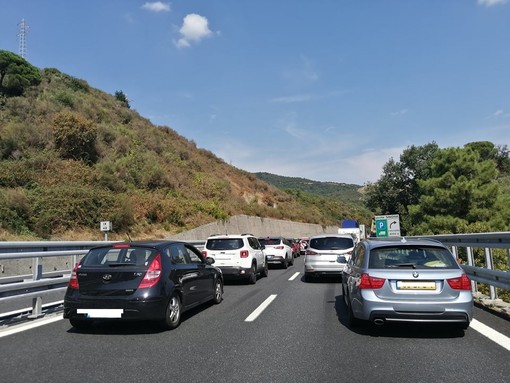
{"points": [[391, 280]]}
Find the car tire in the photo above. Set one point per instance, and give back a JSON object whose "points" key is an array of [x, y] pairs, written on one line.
{"points": [[291, 262], [285, 264], [218, 292], [308, 278], [252, 277], [173, 313], [80, 324], [265, 270]]}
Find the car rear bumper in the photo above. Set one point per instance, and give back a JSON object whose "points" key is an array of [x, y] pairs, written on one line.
{"points": [[331, 268], [136, 309], [235, 271], [370, 308], [275, 259]]}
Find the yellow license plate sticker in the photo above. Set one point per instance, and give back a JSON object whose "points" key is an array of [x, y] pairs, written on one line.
{"points": [[416, 285]]}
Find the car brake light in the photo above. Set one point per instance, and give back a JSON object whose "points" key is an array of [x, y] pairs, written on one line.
{"points": [[152, 275], [244, 253], [73, 281], [461, 283], [369, 282], [204, 254], [120, 245], [311, 252], [279, 247]]}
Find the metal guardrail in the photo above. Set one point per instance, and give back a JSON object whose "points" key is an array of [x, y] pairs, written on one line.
{"points": [[486, 241], [40, 283]]}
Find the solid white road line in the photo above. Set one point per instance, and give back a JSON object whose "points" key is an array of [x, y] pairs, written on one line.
{"points": [[490, 333], [260, 309], [294, 276], [27, 326]]}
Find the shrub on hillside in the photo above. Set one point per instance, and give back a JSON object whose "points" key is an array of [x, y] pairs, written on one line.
{"points": [[14, 210], [75, 137]]}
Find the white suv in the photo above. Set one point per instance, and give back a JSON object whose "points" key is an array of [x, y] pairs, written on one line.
{"points": [[327, 254], [237, 255], [278, 251]]}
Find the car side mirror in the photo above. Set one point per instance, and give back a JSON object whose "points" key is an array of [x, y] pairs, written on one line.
{"points": [[262, 247], [209, 260]]}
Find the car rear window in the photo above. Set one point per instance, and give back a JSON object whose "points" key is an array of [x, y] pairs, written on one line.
{"points": [[224, 244], [118, 256], [269, 241], [331, 243], [420, 257]]}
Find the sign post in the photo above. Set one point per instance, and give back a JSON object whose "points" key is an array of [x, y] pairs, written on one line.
{"points": [[387, 226], [106, 226]]}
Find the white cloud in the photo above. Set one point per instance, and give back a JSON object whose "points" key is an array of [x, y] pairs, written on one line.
{"points": [[194, 29], [157, 6], [292, 99], [490, 3], [399, 113], [500, 113]]}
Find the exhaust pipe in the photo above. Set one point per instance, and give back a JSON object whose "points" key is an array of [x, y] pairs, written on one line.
{"points": [[378, 321]]}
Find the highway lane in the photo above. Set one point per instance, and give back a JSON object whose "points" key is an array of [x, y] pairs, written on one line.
{"points": [[300, 337]]}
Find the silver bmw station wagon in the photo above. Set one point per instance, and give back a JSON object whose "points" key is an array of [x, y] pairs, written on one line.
{"points": [[399, 280]]}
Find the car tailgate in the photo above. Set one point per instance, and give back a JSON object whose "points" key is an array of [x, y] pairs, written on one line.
{"points": [[110, 281], [416, 284]]}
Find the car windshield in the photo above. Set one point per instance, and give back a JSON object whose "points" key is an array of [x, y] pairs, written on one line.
{"points": [[224, 244], [115, 256], [413, 257], [331, 243], [269, 241]]}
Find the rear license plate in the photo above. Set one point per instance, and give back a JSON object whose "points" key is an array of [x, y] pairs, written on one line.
{"points": [[101, 313], [416, 285]]}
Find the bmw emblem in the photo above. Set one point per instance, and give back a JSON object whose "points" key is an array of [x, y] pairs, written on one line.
{"points": [[415, 274], [107, 277]]}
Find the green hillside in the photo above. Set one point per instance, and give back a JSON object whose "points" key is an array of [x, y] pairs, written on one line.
{"points": [[344, 192], [72, 156]]}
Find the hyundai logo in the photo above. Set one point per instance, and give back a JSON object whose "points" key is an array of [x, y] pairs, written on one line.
{"points": [[415, 274], [107, 277]]}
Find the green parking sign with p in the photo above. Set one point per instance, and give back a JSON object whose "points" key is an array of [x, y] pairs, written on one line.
{"points": [[387, 226], [381, 228]]}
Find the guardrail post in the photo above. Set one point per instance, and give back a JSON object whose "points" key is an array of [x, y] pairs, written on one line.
{"points": [[471, 262], [489, 264], [37, 301]]}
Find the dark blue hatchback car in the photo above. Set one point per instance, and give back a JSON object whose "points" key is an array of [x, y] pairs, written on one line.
{"points": [[143, 280]]}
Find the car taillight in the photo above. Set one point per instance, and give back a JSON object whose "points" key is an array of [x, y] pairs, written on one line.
{"points": [[369, 282], [461, 283], [244, 253], [73, 281], [311, 252], [279, 247], [204, 254], [152, 275]]}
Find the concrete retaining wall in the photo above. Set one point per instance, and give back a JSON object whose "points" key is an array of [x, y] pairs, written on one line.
{"points": [[257, 226]]}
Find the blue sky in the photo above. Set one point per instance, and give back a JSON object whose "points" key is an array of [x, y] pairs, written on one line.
{"points": [[328, 90]]}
